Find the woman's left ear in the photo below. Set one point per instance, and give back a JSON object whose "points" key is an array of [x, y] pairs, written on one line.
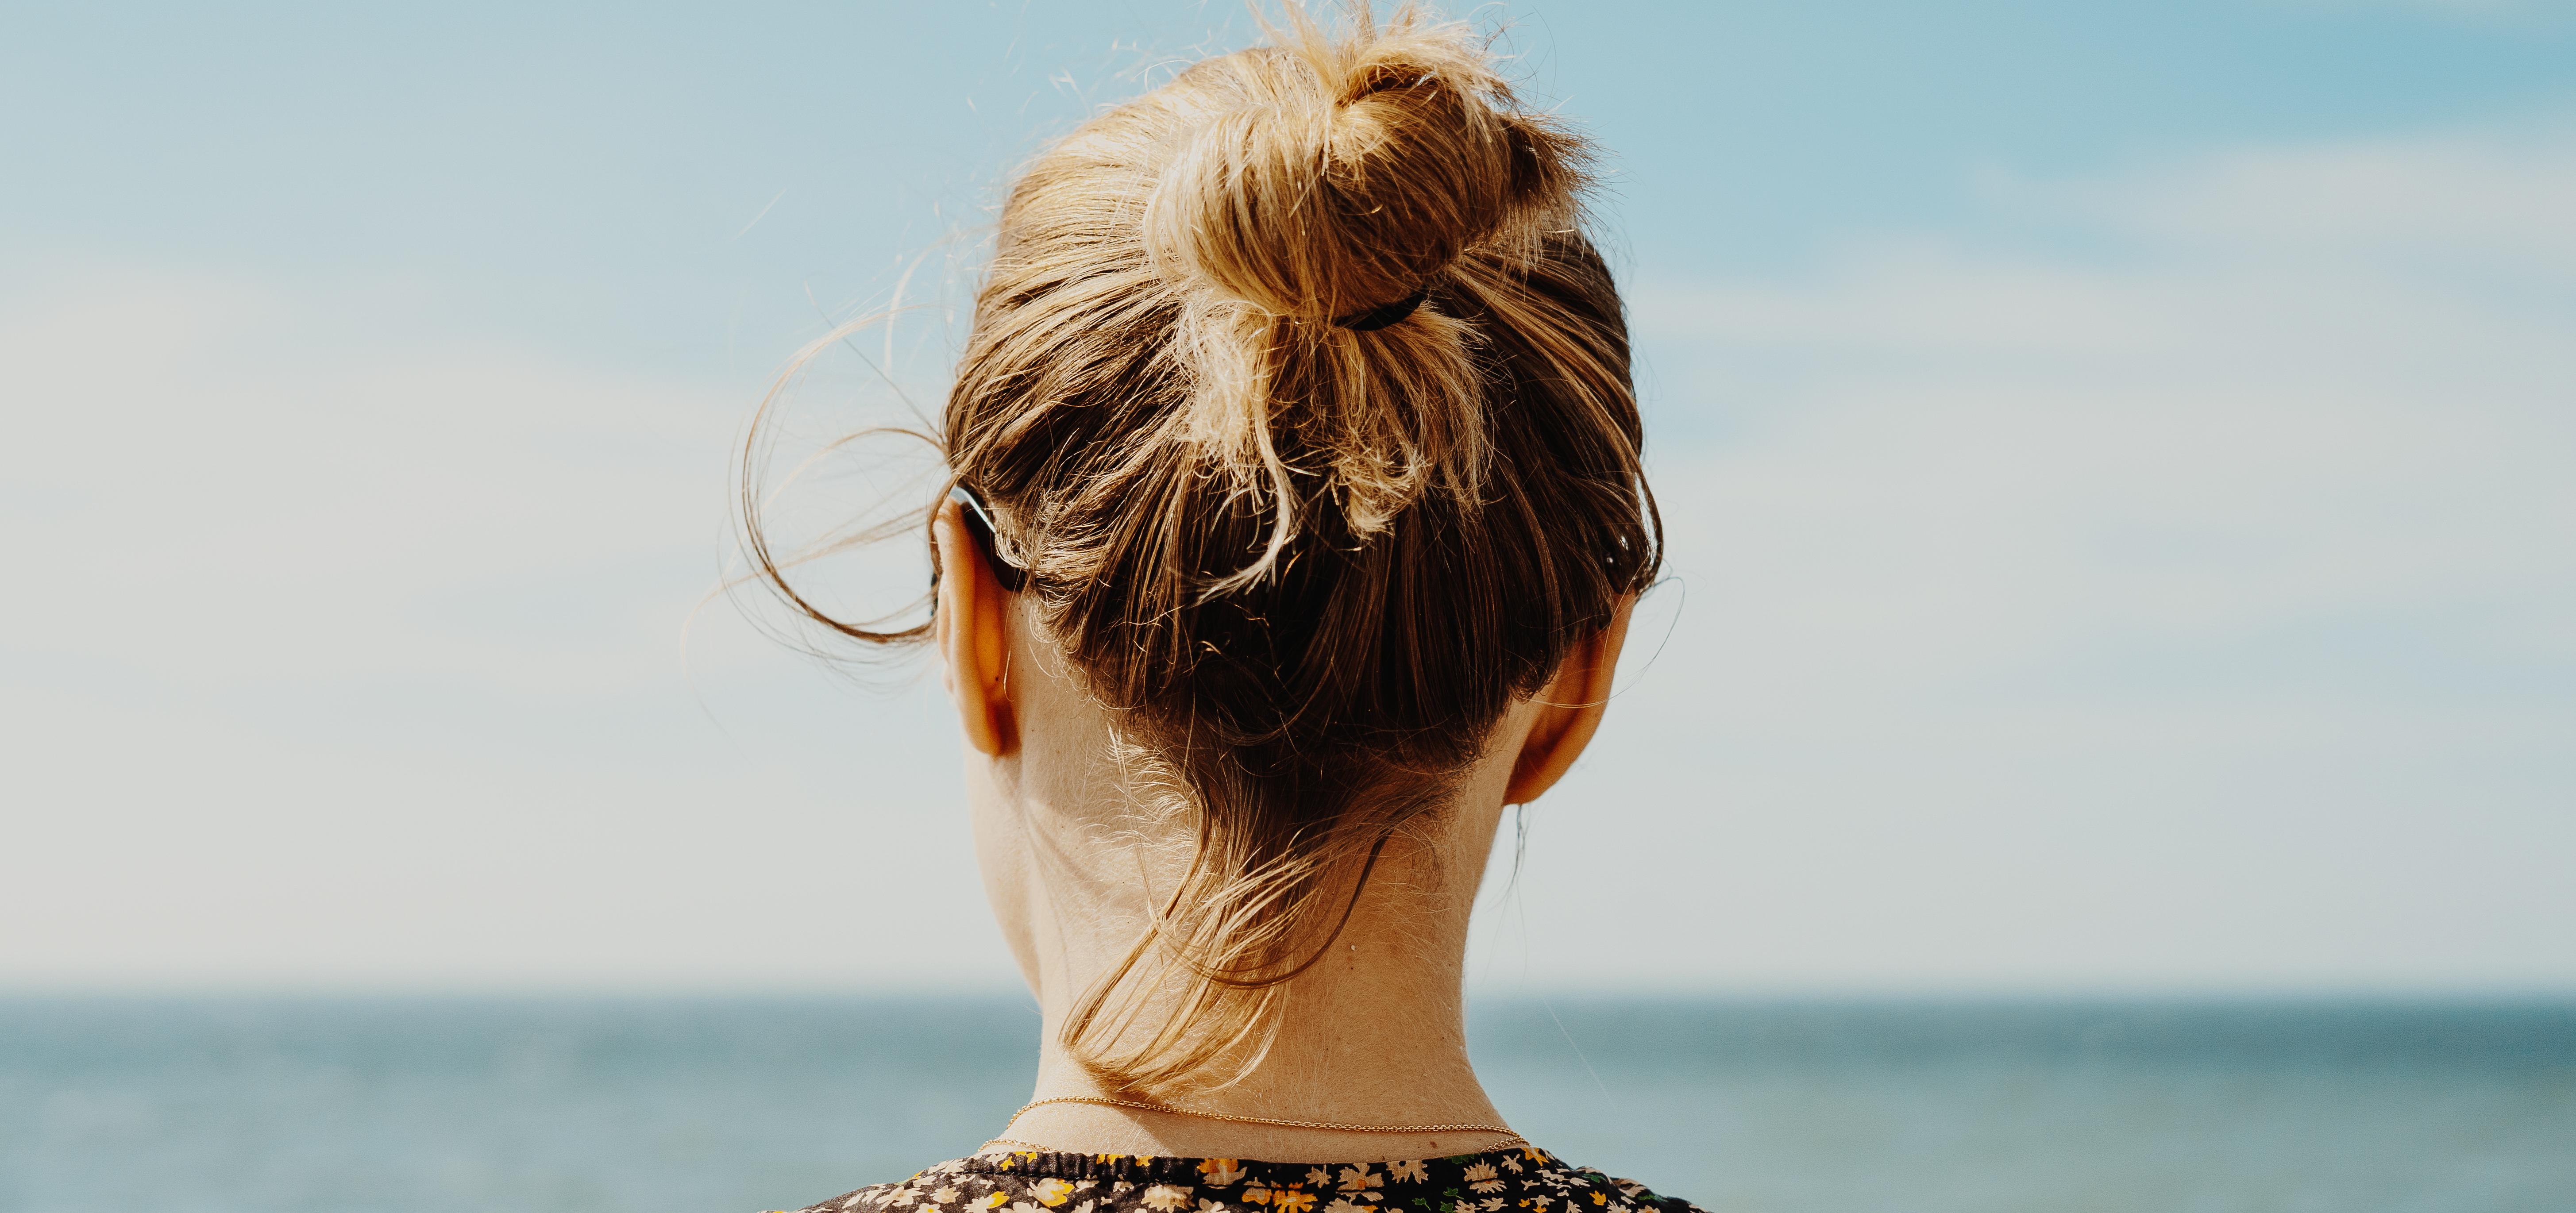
{"points": [[971, 626], [1569, 709]]}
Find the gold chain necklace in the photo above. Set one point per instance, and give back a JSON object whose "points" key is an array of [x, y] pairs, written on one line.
{"points": [[1281, 1122]]}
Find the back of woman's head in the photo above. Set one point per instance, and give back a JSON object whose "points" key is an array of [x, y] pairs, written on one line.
{"points": [[1302, 398]]}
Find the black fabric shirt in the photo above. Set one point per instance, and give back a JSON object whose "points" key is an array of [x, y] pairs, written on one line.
{"points": [[1519, 1180]]}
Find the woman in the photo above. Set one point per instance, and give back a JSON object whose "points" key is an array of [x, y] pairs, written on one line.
{"points": [[1297, 515]]}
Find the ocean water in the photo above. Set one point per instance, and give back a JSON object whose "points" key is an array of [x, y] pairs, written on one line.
{"points": [[726, 1106]]}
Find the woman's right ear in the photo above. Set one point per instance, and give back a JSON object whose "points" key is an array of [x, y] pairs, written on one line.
{"points": [[970, 623]]}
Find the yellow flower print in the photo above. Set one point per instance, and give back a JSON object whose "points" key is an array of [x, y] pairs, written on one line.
{"points": [[1051, 1192], [1255, 1193], [1599, 1199], [1290, 1200], [1221, 1172], [998, 1199], [1361, 1179], [1408, 1172]]}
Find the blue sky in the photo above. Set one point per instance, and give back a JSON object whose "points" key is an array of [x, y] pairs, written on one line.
{"points": [[578, 175], [2114, 453]]}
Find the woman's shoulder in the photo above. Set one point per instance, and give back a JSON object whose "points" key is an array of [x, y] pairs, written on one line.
{"points": [[1638, 1196], [906, 1193], [1521, 1179]]}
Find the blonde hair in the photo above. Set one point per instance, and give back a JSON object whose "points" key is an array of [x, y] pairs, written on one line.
{"points": [[1309, 559]]}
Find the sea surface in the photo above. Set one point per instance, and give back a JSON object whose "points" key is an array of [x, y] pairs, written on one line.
{"points": [[734, 1105]]}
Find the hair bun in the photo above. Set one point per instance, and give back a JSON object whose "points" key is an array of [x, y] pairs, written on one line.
{"points": [[1347, 173]]}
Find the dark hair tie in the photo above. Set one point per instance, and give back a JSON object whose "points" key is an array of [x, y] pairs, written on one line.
{"points": [[1379, 317]]}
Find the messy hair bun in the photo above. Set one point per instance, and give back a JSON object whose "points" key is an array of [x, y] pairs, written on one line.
{"points": [[1301, 397], [1317, 180]]}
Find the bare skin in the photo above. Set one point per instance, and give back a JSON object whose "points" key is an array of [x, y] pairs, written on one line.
{"points": [[1375, 1035]]}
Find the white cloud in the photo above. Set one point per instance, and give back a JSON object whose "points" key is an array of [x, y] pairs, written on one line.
{"points": [[2481, 10], [2496, 199], [337, 653], [2200, 607], [231, 485]]}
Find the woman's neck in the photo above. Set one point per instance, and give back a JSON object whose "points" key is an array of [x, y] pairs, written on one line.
{"points": [[1366, 1038], [1371, 1035]]}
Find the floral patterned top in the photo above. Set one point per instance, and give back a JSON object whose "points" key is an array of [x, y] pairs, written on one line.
{"points": [[1519, 1179]]}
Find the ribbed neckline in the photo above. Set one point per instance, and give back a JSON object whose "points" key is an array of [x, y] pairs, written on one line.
{"points": [[1129, 1168]]}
